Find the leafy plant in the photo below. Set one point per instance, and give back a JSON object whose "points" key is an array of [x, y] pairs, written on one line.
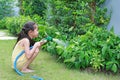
{"points": [[72, 17], [14, 24], [30, 8], [98, 49]]}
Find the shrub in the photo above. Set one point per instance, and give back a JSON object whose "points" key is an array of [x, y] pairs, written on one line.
{"points": [[30, 8], [98, 49], [70, 17], [2, 23], [14, 24]]}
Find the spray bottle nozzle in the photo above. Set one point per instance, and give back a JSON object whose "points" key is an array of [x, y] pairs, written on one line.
{"points": [[48, 38]]}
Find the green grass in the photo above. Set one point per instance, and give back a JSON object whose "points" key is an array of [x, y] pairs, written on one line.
{"points": [[45, 66]]}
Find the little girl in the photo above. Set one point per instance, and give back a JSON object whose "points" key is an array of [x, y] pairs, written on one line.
{"points": [[24, 42]]}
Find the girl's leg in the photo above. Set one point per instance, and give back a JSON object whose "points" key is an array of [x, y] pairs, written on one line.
{"points": [[25, 67]]}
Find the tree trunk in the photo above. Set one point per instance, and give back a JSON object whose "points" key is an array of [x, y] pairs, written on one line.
{"points": [[93, 10]]}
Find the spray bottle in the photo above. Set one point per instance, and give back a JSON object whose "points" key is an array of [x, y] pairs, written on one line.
{"points": [[48, 38], [60, 42]]}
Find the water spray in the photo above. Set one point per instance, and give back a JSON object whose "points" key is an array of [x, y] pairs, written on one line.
{"points": [[59, 42]]}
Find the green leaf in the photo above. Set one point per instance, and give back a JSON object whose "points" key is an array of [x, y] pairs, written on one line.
{"points": [[108, 65], [77, 65], [118, 56], [104, 49], [70, 60], [59, 49], [70, 29], [114, 68], [58, 33]]}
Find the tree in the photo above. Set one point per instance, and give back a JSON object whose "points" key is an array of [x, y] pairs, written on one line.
{"points": [[6, 8], [30, 7]]}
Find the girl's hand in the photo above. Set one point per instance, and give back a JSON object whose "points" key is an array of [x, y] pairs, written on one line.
{"points": [[43, 42], [40, 43], [37, 44]]}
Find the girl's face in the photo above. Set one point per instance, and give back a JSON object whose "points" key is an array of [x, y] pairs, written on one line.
{"points": [[34, 33]]}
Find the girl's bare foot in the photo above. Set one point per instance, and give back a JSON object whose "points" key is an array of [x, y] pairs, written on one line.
{"points": [[27, 70]]}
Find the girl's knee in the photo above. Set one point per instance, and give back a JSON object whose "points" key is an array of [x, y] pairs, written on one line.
{"points": [[36, 52]]}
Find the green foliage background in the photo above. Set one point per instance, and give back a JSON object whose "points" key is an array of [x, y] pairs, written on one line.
{"points": [[6, 8], [72, 17], [31, 7]]}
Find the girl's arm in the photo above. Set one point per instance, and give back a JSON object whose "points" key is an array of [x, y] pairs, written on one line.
{"points": [[29, 53]]}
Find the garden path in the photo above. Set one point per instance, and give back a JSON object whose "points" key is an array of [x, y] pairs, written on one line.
{"points": [[4, 35]]}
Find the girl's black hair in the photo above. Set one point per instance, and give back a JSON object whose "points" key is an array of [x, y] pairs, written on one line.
{"points": [[24, 32]]}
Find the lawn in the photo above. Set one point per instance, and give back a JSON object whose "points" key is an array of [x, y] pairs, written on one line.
{"points": [[45, 66]]}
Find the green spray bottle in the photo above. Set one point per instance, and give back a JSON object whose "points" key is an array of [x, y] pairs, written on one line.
{"points": [[48, 38]]}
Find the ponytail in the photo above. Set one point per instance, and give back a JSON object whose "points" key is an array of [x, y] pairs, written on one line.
{"points": [[24, 32]]}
